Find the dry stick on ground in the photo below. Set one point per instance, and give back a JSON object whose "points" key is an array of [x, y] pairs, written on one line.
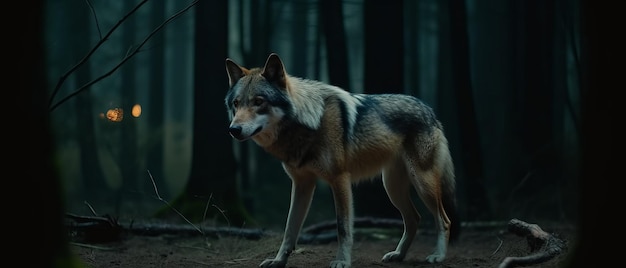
{"points": [[325, 232], [206, 209], [156, 191], [106, 228], [95, 228], [191, 229], [358, 222], [545, 245]]}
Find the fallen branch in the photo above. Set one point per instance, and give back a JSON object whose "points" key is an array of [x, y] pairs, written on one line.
{"points": [[185, 229], [358, 223], [326, 231], [544, 245], [106, 228], [95, 229]]}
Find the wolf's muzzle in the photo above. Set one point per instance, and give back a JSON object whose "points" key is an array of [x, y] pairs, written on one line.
{"points": [[235, 132]]}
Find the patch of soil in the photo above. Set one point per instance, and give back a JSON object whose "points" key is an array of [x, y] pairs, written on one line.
{"points": [[475, 247]]}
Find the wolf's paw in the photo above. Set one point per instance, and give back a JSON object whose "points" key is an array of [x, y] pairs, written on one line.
{"points": [[434, 258], [339, 264], [393, 256], [273, 263]]}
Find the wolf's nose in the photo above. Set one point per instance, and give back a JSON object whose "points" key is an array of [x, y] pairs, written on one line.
{"points": [[235, 131]]}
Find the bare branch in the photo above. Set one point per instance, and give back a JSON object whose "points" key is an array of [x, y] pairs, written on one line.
{"points": [[124, 60], [95, 18], [543, 245], [93, 50]]}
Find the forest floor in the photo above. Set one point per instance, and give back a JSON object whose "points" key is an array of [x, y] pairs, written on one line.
{"points": [[475, 247]]}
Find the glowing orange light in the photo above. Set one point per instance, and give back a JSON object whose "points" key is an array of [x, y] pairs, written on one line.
{"points": [[115, 114], [136, 112]]}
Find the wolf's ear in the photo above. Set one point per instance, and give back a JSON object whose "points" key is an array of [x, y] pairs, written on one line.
{"points": [[235, 72], [274, 71]]}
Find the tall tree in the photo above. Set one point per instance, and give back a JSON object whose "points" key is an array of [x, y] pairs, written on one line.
{"points": [[259, 28], [80, 24], [535, 91], [255, 47], [129, 157], [384, 73], [601, 132], [212, 178], [299, 37], [331, 18], [155, 147], [53, 250], [461, 84], [412, 26]]}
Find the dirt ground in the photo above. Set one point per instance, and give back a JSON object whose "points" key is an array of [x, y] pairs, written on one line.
{"points": [[475, 247]]}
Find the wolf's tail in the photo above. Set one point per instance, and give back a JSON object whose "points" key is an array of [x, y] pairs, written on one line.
{"points": [[449, 193], [449, 204]]}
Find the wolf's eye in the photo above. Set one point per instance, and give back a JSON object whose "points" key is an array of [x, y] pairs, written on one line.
{"points": [[258, 101], [235, 103]]}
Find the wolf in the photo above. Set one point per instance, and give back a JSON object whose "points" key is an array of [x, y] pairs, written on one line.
{"points": [[320, 131]]}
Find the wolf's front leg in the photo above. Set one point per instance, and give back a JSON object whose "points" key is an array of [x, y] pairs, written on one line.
{"points": [[342, 194], [301, 195]]}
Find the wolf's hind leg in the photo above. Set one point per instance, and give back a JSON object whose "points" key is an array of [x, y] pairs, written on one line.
{"points": [[398, 187], [428, 186]]}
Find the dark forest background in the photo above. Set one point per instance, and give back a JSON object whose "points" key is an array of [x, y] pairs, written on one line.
{"points": [[503, 76], [508, 79]]}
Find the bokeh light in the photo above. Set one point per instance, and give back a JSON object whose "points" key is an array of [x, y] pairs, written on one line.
{"points": [[115, 114], [136, 112]]}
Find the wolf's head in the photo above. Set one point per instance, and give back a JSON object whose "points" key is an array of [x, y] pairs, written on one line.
{"points": [[257, 100]]}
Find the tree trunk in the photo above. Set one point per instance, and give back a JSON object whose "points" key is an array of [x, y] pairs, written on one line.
{"points": [[478, 205], [94, 182], [155, 147], [601, 156], [299, 37], [53, 248], [331, 18], [128, 158], [539, 162], [212, 182]]}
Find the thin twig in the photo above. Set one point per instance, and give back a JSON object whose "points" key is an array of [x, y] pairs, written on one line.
{"points": [[223, 214], [124, 60], [498, 248], [156, 191], [206, 208], [93, 211], [92, 246], [95, 18]]}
